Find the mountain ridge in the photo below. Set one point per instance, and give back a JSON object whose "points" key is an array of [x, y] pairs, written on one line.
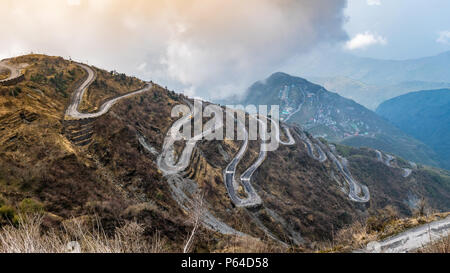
{"points": [[383, 79], [326, 114], [423, 114]]}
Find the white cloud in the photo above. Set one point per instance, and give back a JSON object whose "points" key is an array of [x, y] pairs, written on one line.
{"points": [[73, 2], [374, 2], [206, 47], [444, 37], [142, 66], [364, 40]]}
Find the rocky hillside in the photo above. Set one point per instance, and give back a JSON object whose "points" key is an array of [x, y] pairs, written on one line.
{"points": [[424, 115], [112, 166]]}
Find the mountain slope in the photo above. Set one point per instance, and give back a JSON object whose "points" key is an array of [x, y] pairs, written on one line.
{"points": [[424, 115], [110, 166], [335, 118]]}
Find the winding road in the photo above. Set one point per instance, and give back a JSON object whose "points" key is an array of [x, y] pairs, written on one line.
{"points": [[170, 166], [146, 146], [166, 161], [389, 158], [357, 192], [253, 198], [310, 147], [14, 71], [77, 97]]}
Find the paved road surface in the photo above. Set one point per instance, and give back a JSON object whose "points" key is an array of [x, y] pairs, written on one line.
{"points": [[166, 161], [310, 148], [14, 71], [389, 158], [147, 146], [357, 192], [252, 198], [412, 239], [72, 109]]}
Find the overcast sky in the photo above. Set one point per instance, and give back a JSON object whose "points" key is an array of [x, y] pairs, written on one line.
{"points": [[214, 48]]}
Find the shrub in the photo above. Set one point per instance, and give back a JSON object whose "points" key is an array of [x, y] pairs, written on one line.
{"points": [[59, 83], [7, 213], [381, 218], [16, 91], [38, 78], [29, 205], [28, 236]]}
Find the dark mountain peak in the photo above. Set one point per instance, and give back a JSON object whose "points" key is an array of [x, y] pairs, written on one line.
{"points": [[284, 78], [278, 80], [335, 118], [268, 90], [280, 75]]}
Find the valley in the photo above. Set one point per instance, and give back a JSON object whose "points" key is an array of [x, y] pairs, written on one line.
{"points": [[424, 115]]}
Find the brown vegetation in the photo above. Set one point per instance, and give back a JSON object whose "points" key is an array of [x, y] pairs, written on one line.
{"points": [[4, 73], [385, 223], [75, 235], [442, 246]]}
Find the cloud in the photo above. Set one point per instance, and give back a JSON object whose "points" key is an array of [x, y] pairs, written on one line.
{"points": [[142, 66], [208, 48], [364, 40], [444, 37], [73, 2], [374, 2]]}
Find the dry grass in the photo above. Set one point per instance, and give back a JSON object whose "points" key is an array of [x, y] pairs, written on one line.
{"points": [[248, 244], [4, 73], [75, 236], [358, 235], [442, 246], [347, 239]]}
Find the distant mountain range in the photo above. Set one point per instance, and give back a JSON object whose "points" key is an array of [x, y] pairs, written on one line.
{"points": [[372, 95], [371, 81], [424, 115], [335, 118]]}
